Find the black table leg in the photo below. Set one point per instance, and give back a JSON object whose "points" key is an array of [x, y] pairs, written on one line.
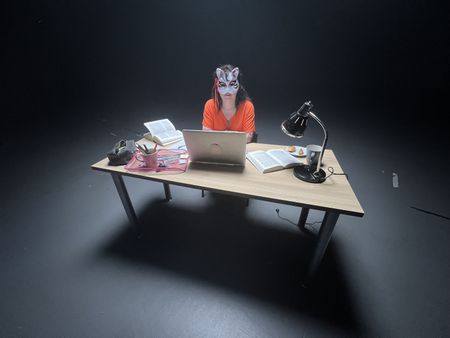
{"points": [[123, 194], [167, 191], [326, 230], [302, 220]]}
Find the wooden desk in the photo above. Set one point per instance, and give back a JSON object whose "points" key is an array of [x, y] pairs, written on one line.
{"points": [[335, 196]]}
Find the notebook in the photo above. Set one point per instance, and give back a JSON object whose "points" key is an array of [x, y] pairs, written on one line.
{"points": [[216, 147]]}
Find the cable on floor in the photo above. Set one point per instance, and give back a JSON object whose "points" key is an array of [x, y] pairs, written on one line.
{"points": [[311, 224]]}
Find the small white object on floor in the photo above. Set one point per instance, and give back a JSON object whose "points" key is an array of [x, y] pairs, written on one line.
{"points": [[395, 180]]}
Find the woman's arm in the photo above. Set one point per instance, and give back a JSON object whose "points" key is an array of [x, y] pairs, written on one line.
{"points": [[249, 120], [208, 116]]}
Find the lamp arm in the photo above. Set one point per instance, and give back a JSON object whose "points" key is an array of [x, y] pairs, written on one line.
{"points": [[324, 144]]}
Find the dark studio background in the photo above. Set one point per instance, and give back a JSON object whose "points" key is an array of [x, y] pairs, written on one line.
{"points": [[379, 63], [79, 76]]}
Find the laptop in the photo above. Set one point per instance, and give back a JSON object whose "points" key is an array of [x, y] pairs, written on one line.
{"points": [[216, 147]]}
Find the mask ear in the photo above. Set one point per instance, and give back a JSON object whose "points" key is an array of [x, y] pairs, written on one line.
{"points": [[235, 74], [221, 75]]}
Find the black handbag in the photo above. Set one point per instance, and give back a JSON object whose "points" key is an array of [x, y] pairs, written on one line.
{"points": [[122, 152]]}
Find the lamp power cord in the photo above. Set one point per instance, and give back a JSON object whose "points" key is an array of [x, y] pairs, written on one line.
{"points": [[331, 170], [310, 224]]}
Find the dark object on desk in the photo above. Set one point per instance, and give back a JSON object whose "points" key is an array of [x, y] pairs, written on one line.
{"points": [[254, 138], [122, 152], [295, 126]]}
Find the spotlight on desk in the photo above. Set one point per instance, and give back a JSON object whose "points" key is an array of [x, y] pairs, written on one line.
{"points": [[295, 126]]}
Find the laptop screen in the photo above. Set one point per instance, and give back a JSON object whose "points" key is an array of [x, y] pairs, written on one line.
{"points": [[217, 147]]}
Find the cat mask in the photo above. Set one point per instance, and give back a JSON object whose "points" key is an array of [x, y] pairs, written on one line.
{"points": [[227, 82]]}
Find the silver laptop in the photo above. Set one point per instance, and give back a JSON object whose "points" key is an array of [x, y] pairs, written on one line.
{"points": [[217, 147]]}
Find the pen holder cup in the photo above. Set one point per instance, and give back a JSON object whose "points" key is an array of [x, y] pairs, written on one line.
{"points": [[150, 160]]}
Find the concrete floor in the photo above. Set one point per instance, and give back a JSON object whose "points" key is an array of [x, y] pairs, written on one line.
{"points": [[211, 267]]}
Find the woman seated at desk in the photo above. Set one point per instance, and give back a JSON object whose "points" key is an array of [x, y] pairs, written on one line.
{"points": [[230, 107]]}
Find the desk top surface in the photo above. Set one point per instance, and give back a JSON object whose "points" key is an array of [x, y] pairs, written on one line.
{"points": [[335, 194]]}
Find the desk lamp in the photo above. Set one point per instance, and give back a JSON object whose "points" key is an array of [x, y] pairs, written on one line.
{"points": [[295, 126]]}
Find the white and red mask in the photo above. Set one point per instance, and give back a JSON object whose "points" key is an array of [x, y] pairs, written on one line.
{"points": [[227, 82]]}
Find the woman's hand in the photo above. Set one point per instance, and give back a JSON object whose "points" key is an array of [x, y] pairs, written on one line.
{"points": [[249, 137]]}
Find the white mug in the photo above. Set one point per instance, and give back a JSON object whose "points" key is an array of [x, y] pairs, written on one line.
{"points": [[313, 153]]}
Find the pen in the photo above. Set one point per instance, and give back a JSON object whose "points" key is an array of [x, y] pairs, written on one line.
{"points": [[142, 150]]}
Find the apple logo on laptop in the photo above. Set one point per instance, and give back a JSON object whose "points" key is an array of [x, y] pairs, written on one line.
{"points": [[215, 149]]}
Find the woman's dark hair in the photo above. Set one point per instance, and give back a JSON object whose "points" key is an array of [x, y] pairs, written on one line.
{"points": [[241, 95]]}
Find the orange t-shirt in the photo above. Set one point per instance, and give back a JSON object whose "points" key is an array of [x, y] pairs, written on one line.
{"points": [[243, 120]]}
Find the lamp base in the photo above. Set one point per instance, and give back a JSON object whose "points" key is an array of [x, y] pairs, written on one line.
{"points": [[306, 173]]}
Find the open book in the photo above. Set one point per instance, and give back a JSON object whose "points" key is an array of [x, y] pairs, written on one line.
{"points": [[272, 160], [162, 132]]}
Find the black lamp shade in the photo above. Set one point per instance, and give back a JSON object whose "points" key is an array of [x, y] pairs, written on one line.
{"points": [[295, 125]]}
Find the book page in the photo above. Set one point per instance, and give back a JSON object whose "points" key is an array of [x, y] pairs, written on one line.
{"points": [[262, 161], [159, 126], [178, 145], [283, 157], [168, 137]]}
